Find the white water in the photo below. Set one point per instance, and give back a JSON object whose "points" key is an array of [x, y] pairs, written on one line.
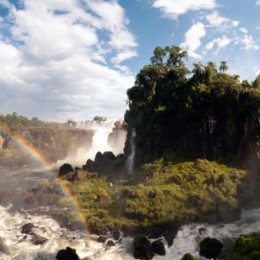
{"points": [[20, 246], [187, 239], [131, 158]]}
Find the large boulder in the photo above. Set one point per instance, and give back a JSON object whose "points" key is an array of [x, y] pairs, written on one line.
{"points": [[158, 247], [65, 169], [142, 248], [67, 254], [210, 247]]}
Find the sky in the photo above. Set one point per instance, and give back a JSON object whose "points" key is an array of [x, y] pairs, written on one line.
{"points": [[75, 59]]}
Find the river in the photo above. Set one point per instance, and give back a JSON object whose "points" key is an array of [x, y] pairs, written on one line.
{"points": [[15, 211]]}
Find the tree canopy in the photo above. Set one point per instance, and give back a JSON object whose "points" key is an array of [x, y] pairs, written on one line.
{"points": [[204, 113]]}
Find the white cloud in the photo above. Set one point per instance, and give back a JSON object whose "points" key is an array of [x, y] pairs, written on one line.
{"points": [[193, 39], [222, 23], [248, 42], [219, 43], [173, 9], [243, 30], [50, 65], [257, 2]]}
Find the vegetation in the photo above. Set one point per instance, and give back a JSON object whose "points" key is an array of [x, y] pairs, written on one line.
{"points": [[246, 247], [161, 194], [54, 140], [203, 114]]}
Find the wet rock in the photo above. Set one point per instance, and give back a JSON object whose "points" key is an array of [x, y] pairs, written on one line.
{"points": [[158, 247], [202, 230], [109, 244], [102, 239], [3, 248], [27, 228], [168, 237], [65, 169], [210, 247], [116, 234], [67, 254], [37, 240], [142, 248]]}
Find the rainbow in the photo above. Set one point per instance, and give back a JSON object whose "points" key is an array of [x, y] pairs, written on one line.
{"points": [[48, 166]]}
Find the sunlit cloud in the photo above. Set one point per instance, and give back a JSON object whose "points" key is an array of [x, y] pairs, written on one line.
{"points": [[193, 39], [222, 23], [172, 9], [56, 59]]}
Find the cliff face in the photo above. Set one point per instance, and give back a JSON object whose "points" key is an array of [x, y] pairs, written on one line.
{"points": [[53, 143]]}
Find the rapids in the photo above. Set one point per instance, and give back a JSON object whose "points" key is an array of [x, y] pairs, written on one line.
{"points": [[14, 213]]}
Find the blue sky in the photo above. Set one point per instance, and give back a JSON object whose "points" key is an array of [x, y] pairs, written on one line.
{"points": [[75, 59]]}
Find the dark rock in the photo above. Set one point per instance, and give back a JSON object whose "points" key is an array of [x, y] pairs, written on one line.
{"points": [[102, 239], [168, 237], [27, 228], [37, 240], [142, 248], [210, 247], [202, 230], [108, 156], [109, 244], [158, 247], [116, 234], [3, 248], [65, 169], [188, 257], [67, 254]]}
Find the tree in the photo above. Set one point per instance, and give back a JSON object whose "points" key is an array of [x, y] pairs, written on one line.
{"points": [[223, 66], [256, 82], [158, 56]]}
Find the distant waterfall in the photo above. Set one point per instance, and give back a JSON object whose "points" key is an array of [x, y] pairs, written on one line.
{"points": [[131, 157], [100, 142]]}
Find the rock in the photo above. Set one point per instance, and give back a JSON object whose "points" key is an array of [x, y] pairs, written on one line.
{"points": [[3, 248], [102, 239], [188, 257], [67, 254], [168, 237], [37, 240], [210, 247], [65, 169], [142, 248], [202, 230], [158, 247], [27, 228], [116, 234], [109, 244]]}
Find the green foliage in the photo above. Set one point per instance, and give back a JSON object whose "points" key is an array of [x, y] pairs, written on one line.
{"points": [[247, 247], [185, 191], [207, 115]]}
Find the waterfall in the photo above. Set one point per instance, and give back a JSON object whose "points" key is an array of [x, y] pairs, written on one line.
{"points": [[131, 157], [100, 142]]}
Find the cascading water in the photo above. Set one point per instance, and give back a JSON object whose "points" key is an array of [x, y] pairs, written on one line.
{"points": [[100, 142], [131, 157]]}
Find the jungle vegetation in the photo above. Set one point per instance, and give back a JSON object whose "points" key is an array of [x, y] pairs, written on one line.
{"points": [[202, 113]]}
